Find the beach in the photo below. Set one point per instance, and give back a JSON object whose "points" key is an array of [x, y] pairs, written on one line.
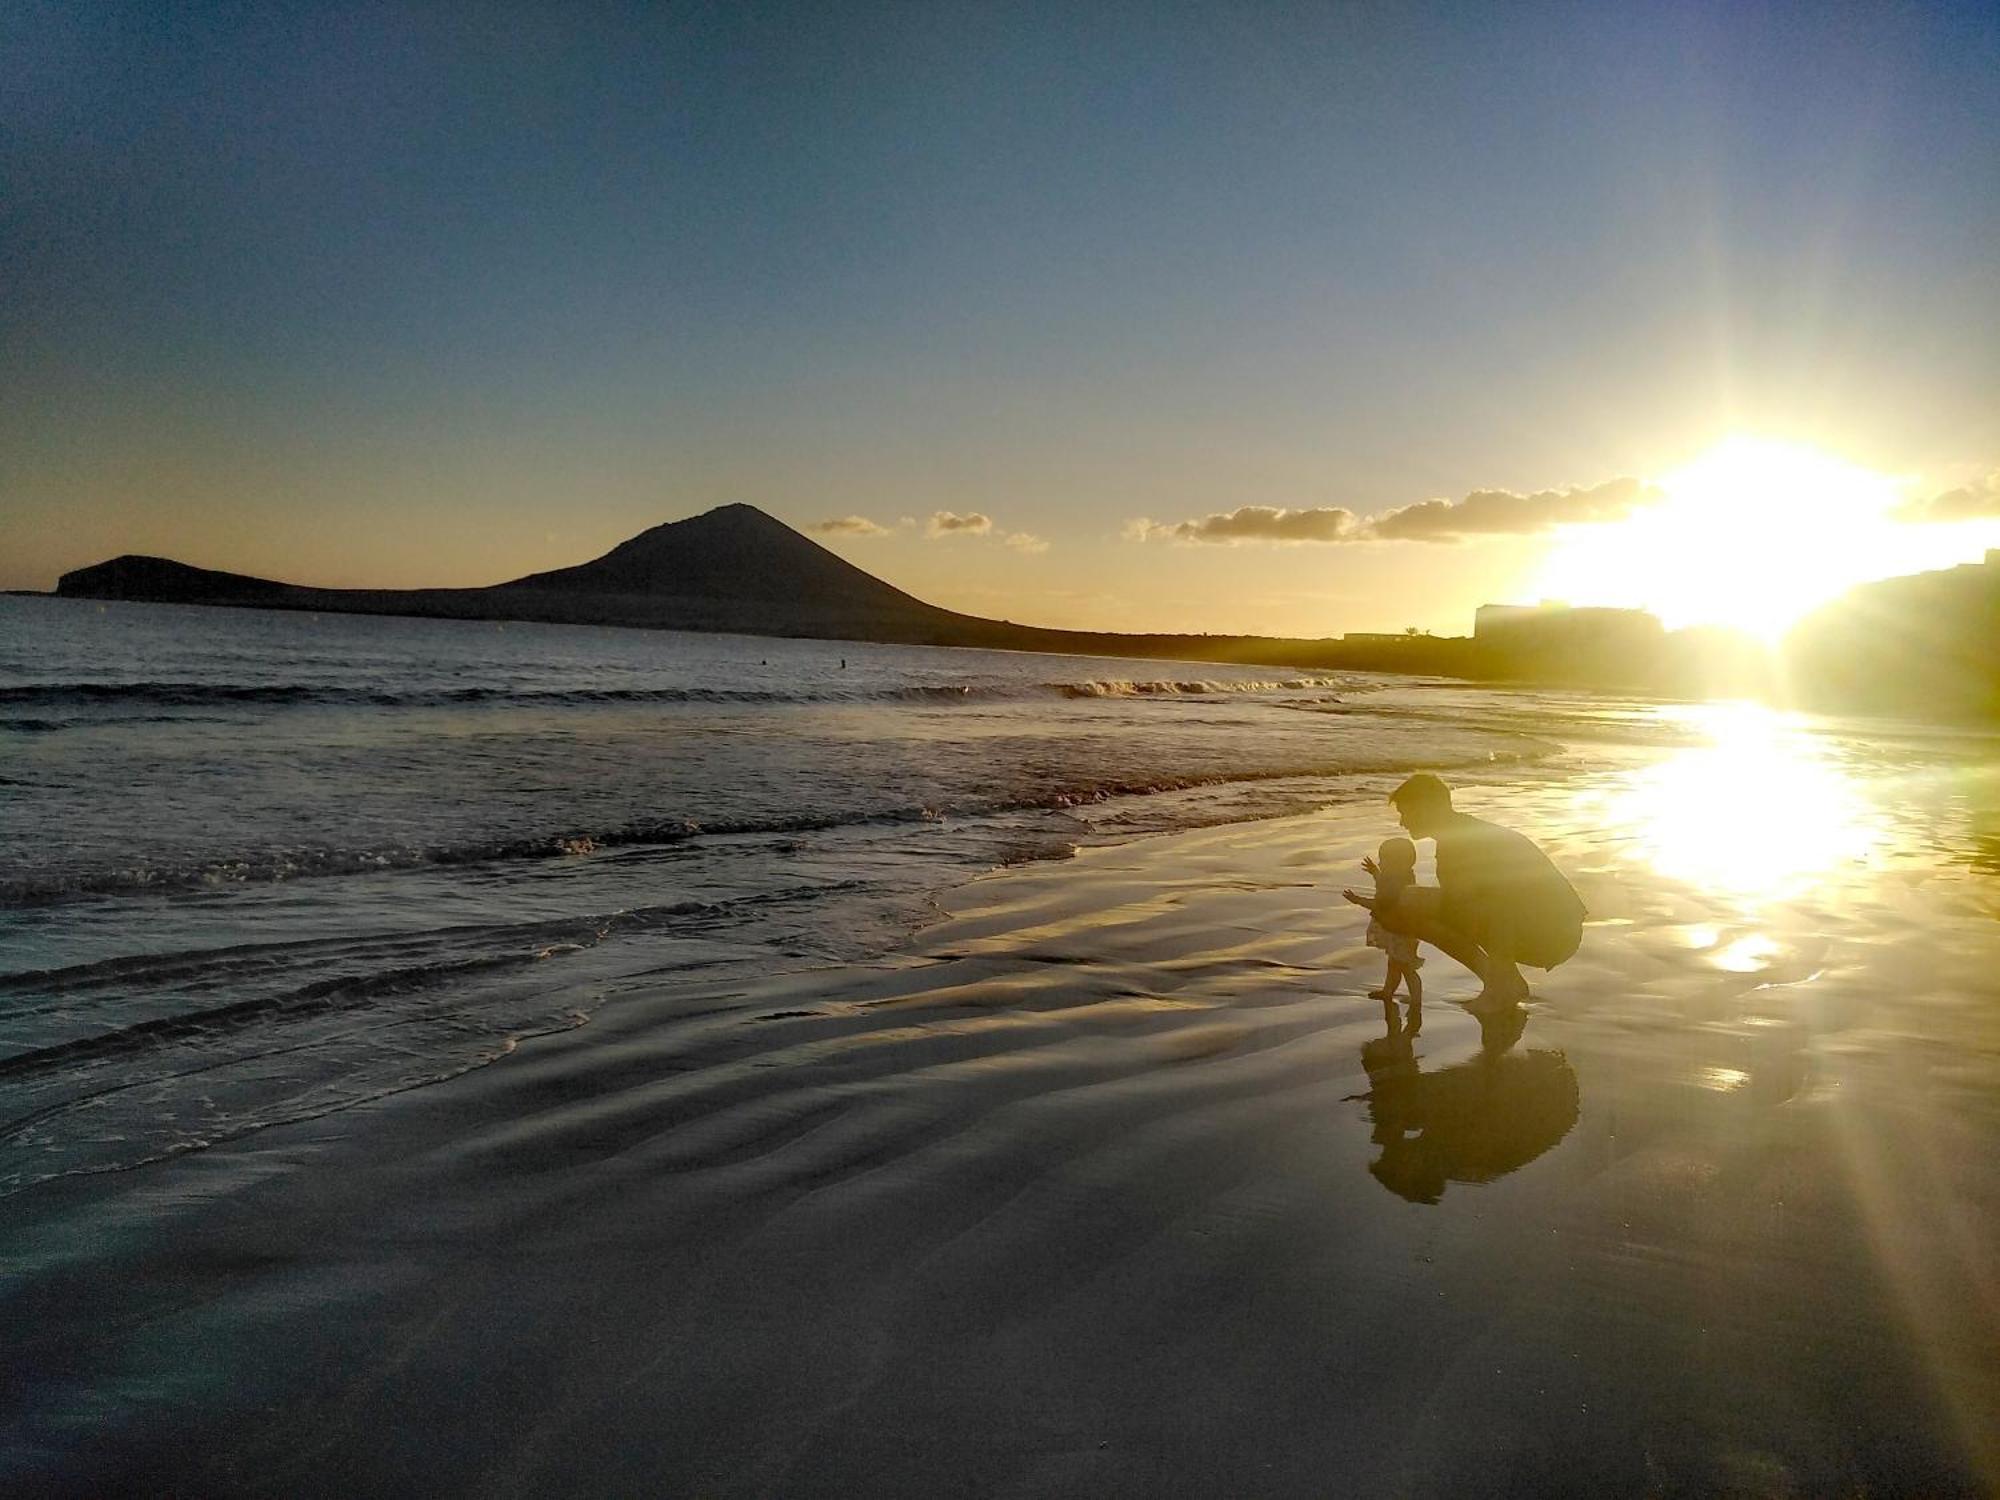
{"points": [[722, 728], [1112, 1179]]}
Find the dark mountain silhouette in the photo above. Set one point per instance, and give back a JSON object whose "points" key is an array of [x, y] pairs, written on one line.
{"points": [[1926, 644], [733, 568], [733, 552], [165, 581]]}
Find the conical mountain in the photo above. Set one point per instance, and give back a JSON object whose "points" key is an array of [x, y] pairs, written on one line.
{"points": [[735, 553]]}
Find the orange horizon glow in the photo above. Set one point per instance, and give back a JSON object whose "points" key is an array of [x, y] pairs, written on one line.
{"points": [[1752, 533]]}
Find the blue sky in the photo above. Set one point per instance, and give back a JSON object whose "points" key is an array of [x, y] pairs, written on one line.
{"points": [[391, 295]]}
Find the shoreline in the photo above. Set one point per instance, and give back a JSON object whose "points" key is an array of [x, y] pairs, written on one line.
{"points": [[1425, 656], [1085, 1189]]}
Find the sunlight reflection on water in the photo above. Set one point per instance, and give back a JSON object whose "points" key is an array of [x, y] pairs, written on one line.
{"points": [[1759, 812]]}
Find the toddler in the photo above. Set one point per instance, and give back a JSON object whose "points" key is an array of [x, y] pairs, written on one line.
{"points": [[1395, 869]]}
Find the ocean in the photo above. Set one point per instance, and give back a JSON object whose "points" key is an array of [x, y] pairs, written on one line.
{"points": [[261, 866]]}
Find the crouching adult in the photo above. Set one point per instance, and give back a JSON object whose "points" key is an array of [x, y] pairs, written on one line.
{"points": [[1499, 901]]}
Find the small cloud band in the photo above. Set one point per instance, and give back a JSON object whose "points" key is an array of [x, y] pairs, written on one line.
{"points": [[951, 523], [847, 526], [1481, 513]]}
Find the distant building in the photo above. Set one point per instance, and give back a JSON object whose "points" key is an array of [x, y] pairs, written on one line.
{"points": [[1489, 617]]}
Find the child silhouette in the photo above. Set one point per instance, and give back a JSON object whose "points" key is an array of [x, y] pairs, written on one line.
{"points": [[1395, 870]]}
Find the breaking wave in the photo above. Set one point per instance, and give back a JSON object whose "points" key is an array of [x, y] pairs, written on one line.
{"points": [[205, 694], [572, 843]]}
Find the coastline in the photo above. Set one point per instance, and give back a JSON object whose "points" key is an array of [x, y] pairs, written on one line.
{"points": [[1429, 656], [1084, 1190]]}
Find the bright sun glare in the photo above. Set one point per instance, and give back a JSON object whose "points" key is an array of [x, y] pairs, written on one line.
{"points": [[1753, 534], [1756, 813]]}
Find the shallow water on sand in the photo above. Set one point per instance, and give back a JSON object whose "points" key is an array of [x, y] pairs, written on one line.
{"points": [[1114, 1180], [265, 866]]}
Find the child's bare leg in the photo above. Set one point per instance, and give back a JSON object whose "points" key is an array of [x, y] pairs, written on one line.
{"points": [[1415, 984], [1387, 990]]}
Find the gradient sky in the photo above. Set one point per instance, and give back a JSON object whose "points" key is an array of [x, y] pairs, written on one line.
{"points": [[436, 294]]}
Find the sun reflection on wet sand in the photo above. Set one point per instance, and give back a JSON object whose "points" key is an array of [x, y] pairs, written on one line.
{"points": [[1746, 955], [1760, 812]]}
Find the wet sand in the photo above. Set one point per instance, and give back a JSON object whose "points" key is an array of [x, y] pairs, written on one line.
{"points": [[1115, 1181]]}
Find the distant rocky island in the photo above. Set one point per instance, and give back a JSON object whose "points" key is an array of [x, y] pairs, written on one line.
{"points": [[1928, 644]]}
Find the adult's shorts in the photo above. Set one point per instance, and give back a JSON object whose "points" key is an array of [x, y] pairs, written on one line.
{"points": [[1537, 930]]}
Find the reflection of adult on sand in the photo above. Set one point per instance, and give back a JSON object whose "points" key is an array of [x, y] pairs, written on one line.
{"points": [[1471, 1122], [1498, 902]]}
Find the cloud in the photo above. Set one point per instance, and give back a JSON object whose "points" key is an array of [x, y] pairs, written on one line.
{"points": [[848, 526], [1252, 523], [1481, 513], [1966, 503], [1504, 513], [950, 523], [1022, 541]]}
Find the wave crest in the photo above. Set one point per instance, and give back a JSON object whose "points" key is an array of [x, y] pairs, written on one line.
{"points": [[210, 694], [573, 843]]}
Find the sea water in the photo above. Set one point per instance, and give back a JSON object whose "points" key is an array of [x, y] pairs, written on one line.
{"points": [[259, 866]]}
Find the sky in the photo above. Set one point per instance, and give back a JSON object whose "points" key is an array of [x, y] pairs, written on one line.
{"points": [[1296, 319]]}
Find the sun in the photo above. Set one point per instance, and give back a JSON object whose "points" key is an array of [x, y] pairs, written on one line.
{"points": [[1753, 534]]}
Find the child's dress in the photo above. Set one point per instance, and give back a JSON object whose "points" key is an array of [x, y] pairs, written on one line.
{"points": [[1400, 946]]}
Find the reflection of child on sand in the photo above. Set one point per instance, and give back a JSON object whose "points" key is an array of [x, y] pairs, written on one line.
{"points": [[1395, 869]]}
